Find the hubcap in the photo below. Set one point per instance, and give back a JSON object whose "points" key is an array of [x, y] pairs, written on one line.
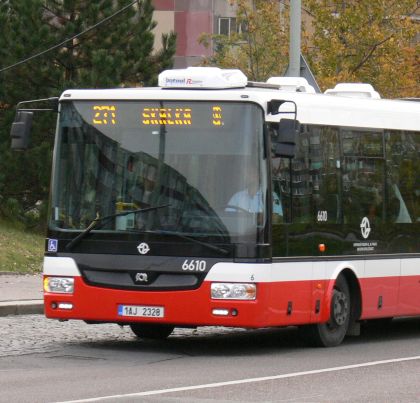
{"points": [[340, 308]]}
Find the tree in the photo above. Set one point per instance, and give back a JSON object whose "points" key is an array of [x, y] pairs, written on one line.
{"points": [[259, 46], [365, 41], [115, 53]]}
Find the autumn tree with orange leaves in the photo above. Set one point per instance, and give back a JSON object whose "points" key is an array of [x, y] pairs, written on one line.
{"points": [[370, 41], [365, 41], [259, 47]]}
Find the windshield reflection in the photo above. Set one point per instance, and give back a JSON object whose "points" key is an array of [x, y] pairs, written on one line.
{"points": [[108, 168]]}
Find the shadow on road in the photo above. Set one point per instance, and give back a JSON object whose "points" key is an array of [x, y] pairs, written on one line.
{"points": [[240, 342]]}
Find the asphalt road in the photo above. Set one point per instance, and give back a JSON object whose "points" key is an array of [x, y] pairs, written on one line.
{"points": [[47, 361]]}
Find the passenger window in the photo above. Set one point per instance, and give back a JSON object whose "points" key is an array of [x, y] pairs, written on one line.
{"points": [[403, 176], [308, 184], [363, 176], [363, 190]]}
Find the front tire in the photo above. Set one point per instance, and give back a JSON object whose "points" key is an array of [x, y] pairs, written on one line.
{"points": [[151, 331], [332, 333]]}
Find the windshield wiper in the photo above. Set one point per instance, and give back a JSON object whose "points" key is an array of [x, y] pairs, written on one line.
{"points": [[99, 221], [189, 238]]}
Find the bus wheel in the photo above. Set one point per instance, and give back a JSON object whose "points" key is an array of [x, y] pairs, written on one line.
{"points": [[332, 333], [151, 331]]}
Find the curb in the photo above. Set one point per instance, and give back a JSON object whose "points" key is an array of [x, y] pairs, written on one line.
{"points": [[29, 307]]}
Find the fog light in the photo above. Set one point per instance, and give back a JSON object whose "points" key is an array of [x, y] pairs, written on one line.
{"points": [[244, 291], [61, 285], [65, 305], [220, 312]]}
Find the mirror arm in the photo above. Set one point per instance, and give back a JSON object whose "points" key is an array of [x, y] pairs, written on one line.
{"points": [[52, 101], [273, 107], [21, 127]]}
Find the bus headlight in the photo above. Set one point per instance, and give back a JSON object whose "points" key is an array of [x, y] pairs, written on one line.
{"points": [[244, 291], [61, 285]]}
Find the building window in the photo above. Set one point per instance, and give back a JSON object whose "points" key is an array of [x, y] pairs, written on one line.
{"points": [[227, 26]]}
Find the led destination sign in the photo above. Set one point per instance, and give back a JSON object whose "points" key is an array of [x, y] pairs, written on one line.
{"points": [[114, 115], [104, 114], [167, 116]]}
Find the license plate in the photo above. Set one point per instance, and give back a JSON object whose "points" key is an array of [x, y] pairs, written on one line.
{"points": [[141, 311]]}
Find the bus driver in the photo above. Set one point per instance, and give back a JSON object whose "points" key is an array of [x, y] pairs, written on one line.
{"points": [[251, 199]]}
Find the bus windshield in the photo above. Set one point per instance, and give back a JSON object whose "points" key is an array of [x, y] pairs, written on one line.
{"points": [[192, 158]]}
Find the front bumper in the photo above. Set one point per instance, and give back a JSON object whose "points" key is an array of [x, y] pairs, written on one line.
{"points": [[189, 308]]}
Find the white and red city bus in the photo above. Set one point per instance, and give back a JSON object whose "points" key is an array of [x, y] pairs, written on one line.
{"points": [[212, 200]]}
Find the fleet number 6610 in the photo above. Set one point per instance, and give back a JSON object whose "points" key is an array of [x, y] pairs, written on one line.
{"points": [[194, 265]]}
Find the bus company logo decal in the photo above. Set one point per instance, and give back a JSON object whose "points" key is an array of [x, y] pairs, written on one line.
{"points": [[365, 227], [174, 81], [190, 81], [143, 248], [367, 246]]}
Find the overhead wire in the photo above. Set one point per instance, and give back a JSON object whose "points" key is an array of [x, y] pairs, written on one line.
{"points": [[69, 39]]}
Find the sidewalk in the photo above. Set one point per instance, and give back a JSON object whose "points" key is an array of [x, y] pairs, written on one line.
{"points": [[20, 294]]}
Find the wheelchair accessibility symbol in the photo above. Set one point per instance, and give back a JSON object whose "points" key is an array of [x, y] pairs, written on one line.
{"points": [[52, 245]]}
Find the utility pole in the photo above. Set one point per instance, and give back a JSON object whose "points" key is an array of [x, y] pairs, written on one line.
{"points": [[298, 67], [294, 42]]}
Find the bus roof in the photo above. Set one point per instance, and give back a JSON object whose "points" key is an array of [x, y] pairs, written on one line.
{"points": [[342, 106]]}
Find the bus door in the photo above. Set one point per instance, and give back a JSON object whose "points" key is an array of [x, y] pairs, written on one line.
{"points": [[308, 187], [369, 232]]}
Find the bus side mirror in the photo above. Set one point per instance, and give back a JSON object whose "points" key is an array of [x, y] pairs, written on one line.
{"points": [[285, 141], [21, 130]]}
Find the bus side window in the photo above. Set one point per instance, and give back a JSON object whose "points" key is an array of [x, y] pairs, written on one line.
{"points": [[397, 211], [364, 193], [403, 172], [308, 184], [278, 207], [363, 175]]}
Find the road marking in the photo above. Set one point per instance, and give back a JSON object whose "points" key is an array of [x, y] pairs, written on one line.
{"points": [[242, 381]]}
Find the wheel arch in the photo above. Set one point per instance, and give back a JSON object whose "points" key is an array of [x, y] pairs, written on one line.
{"points": [[343, 306], [355, 292]]}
